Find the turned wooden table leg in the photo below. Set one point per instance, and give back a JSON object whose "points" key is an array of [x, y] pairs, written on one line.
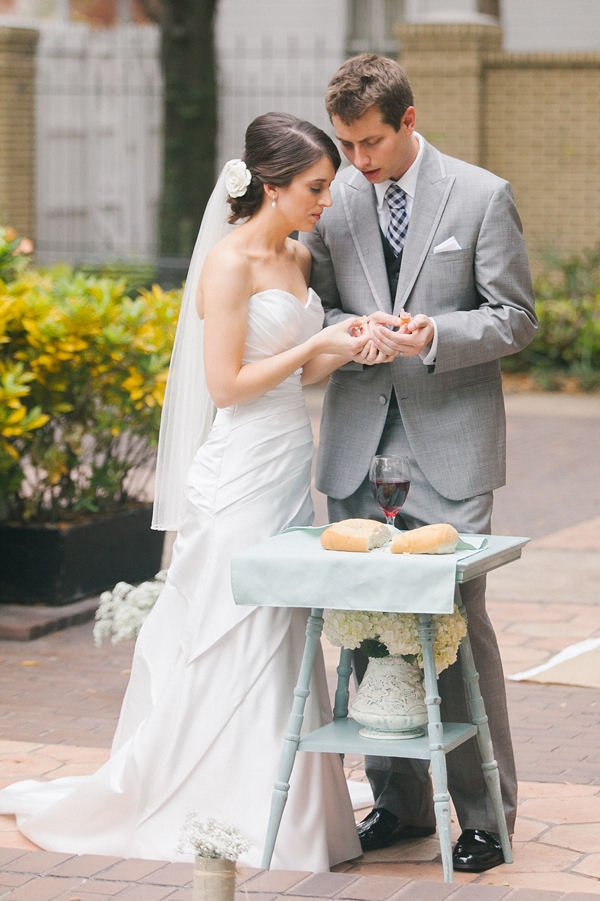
{"points": [[441, 797], [342, 692], [314, 627], [484, 739]]}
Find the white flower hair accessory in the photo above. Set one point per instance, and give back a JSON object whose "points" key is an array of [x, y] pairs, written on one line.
{"points": [[237, 178]]}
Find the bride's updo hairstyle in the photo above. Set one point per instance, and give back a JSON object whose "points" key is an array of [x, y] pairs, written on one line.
{"points": [[279, 147]]}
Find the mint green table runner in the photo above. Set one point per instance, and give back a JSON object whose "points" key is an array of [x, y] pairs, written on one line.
{"points": [[293, 570]]}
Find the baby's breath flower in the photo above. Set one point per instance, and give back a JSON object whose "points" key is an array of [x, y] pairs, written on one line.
{"points": [[122, 611], [211, 838]]}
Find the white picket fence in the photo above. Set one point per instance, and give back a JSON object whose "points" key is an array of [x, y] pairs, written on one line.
{"points": [[99, 138]]}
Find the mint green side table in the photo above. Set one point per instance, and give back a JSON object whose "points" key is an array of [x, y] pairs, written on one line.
{"points": [[290, 569]]}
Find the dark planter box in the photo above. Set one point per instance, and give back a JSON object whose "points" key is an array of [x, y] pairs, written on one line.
{"points": [[59, 563]]}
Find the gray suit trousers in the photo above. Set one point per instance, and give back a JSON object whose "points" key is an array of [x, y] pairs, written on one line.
{"points": [[403, 786]]}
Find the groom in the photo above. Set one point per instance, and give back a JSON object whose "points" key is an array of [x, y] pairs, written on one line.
{"points": [[411, 228]]}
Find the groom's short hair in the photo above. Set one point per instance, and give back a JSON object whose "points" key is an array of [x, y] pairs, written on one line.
{"points": [[369, 80]]}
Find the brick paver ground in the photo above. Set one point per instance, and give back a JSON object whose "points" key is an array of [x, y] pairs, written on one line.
{"points": [[556, 842], [44, 876], [61, 689], [553, 468]]}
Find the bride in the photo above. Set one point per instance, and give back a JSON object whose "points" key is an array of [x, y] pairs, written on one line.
{"points": [[203, 719]]}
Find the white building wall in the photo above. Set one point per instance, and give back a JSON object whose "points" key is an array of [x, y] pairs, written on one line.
{"points": [[450, 11], [533, 26], [551, 25]]}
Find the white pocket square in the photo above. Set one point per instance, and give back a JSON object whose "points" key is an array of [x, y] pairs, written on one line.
{"points": [[449, 244]]}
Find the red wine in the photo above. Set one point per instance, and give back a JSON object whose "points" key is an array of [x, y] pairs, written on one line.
{"points": [[390, 494]]}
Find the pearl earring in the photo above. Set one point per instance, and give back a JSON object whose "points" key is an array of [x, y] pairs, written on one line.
{"points": [[274, 201]]}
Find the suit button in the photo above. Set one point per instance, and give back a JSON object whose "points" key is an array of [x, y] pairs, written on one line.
{"points": [[382, 399]]}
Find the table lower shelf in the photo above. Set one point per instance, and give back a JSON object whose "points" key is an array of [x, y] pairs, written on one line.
{"points": [[341, 737]]}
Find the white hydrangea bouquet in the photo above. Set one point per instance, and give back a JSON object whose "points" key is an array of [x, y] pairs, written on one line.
{"points": [[395, 634], [123, 610]]}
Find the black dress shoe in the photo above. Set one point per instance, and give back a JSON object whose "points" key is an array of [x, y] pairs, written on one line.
{"points": [[382, 829], [476, 851]]}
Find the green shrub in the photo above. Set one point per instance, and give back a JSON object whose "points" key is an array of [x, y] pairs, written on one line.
{"points": [[568, 340], [134, 275], [83, 368]]}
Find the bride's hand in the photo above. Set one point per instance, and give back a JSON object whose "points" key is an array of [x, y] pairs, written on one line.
{"points": [[344, 339]]}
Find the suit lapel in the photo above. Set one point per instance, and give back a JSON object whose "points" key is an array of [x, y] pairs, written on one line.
{"points": [[361, 213], [431, 196]]}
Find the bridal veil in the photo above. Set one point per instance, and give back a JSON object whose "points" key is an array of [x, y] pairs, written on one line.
{"points": [[188, 410]]}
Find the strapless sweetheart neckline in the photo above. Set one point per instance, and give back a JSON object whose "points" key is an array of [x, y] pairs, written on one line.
{"points": [[309, 295]]}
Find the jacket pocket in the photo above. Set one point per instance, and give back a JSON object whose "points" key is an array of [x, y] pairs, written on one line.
{"points": [[451, 256]]}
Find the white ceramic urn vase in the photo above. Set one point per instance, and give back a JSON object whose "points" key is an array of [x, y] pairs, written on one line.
{"points": [[390, 701]]}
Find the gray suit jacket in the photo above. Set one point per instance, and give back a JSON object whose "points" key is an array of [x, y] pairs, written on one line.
{"points": [[481, 297]]}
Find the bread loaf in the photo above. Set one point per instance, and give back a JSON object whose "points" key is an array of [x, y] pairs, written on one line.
{"points": [[360, 535], [440, 538]]}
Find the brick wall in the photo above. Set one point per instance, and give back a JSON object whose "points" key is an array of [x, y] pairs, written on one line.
{"points": [[17, 182], [531, 118]]}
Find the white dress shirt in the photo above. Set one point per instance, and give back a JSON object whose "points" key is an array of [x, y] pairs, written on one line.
{"points": [[408, 183]]}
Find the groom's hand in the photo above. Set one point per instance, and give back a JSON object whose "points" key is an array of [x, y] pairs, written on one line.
{"points": [[408, 341], [370, 356]]}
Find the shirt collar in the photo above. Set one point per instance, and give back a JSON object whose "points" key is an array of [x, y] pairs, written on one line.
{"points": [[408, 181]]}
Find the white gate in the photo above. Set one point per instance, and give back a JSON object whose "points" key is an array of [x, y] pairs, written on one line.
{"points": [[99, 137], [99, 112]]}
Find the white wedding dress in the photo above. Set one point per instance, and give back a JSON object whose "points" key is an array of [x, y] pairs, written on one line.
{"points": [[203, 719]]}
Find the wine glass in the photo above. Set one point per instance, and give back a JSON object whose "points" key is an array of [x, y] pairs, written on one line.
{"points": [[390, 480]]}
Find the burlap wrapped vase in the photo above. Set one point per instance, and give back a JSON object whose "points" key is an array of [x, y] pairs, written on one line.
{"points": [[214, 879]]}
